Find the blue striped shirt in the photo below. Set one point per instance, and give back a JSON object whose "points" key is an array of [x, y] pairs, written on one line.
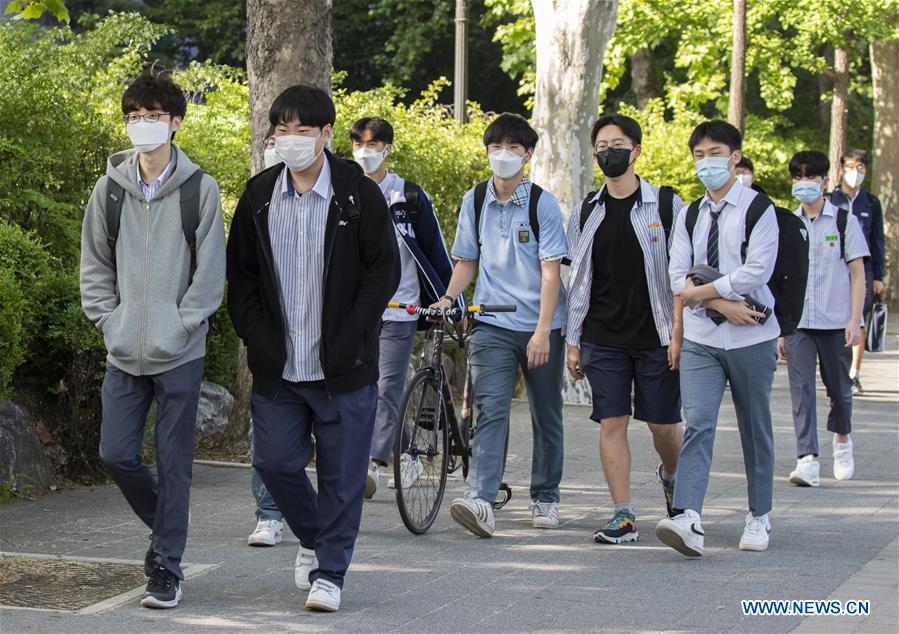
{"points": [[296, 225], [828, 299], [149, 190]]}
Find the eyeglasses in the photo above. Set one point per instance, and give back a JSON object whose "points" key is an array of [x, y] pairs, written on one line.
{"points": [[615, 145], [269, 143], [152, 117]]}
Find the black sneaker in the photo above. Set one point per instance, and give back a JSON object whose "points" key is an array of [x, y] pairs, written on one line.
{"points": [[620, 529], [857, 387], [163, 590], [667, 489]]}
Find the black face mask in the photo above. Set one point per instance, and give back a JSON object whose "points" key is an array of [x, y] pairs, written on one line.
{"points": [[614, 162]]}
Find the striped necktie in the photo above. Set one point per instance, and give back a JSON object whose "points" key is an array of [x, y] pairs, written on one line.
{"points": [[712, 249]]}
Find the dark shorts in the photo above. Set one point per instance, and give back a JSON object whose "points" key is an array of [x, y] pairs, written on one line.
{"points": [[613, 372]]}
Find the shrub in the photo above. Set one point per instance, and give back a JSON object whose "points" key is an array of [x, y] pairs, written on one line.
{"points": [[28, 264], [11, 305], [221, 350]]}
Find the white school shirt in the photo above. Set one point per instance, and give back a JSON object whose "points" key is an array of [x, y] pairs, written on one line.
{"points": [[739, 279]]}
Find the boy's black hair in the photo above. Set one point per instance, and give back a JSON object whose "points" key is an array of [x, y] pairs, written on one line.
{"points": [[380, 129], [629, 126], [719, 131], [511, 128], [859, 155], [309, 105], [154, 89], [746, 163], [809, 163]]}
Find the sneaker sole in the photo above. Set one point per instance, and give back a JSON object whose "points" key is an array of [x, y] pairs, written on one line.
{"points": [[754, 547], [321, 607], [842, 478], [599, 538], [672, 538], [802, 482], [157, 604], [468, 521], [544, 524], [261, 543]]}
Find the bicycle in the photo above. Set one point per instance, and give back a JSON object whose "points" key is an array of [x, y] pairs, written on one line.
{"points": [[431, 440]]}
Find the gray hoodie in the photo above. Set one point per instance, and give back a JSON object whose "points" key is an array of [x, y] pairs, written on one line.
{"points": [[151, 320]]}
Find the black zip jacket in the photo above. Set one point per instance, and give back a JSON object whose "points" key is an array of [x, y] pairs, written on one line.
{"points": [[361, 274]]}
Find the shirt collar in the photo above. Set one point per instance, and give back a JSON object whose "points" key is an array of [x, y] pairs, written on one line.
{"points": [[159, 179], [828, 210], [519, 196], [322, 185], [732, 197], [644, 193]]}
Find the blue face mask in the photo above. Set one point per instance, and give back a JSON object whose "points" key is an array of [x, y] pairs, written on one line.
{"points": [[713, 171], [806, 191]]}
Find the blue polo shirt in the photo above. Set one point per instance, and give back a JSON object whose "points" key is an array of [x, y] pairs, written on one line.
{"points": [[509, 264]]}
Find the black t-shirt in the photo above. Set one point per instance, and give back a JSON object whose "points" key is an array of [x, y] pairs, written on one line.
{"points": [[620, 313]]}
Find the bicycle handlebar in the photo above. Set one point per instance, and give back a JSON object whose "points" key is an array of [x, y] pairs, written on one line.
{"points": [[455, 311]]}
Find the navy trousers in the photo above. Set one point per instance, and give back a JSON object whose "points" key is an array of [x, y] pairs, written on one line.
{"points": [[326, 521], [161, 502]]}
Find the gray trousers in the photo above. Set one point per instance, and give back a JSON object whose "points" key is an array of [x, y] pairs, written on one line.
{"points": [[396, 340], [804, 349], [162, 504], [704, 372]]}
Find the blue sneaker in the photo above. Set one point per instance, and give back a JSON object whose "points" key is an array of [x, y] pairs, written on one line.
{"points": [[621, 529]]}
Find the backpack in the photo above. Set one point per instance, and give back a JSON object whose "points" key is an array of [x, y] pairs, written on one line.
{"points": [[788, 280], [190, 215], [410, 192], [480, 195], [666, 209]]}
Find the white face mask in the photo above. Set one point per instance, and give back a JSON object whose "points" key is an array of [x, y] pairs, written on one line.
{"points": [[146, 137], [745, 179], [854, 178], [297, 151], [270, 157], [505, 164], [369, 159]]}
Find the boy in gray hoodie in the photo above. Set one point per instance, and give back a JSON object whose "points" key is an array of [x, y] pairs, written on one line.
{"points": [[152, 273]]}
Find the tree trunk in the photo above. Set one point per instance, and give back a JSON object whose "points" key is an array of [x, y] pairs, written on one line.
{"points": [[288, 43], [643, 77], [571, 42], [738, 67], [839, 112], [885, 179]]}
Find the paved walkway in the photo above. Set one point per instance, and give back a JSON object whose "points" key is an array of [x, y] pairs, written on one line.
{"points": [[838, 541]]}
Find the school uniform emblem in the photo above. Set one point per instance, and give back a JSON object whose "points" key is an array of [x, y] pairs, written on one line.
{"points": [[804, 234], [524, 236]]}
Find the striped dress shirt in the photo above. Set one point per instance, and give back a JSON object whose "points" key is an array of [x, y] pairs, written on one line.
{"points": [[296, 225], [651, 235], [828, 299], [149, 191]]}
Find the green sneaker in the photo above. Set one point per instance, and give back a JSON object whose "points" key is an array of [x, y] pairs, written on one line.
{"points": [[621, 529]]}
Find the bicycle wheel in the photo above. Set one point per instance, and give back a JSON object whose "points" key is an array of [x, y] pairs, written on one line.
{"points": [[421, 452]]}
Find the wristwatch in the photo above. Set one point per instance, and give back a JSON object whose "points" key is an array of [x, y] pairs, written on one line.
{"points": [[450, 298]]}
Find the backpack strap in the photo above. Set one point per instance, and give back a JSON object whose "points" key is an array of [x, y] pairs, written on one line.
{"points": [[690, 221], [113, 208], [757, 208], [534, 199], [190, 216], [666, 209], [352, 207], [842, 221], [480, 195], [586, 209], [413, 204]]}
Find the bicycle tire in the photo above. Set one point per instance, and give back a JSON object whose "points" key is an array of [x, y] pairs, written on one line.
{"points": [[423, 434]]}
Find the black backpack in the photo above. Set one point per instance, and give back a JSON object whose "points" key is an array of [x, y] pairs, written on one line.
{"points": [[190, 215], [480, 195], [410, 191], [788, 280]]}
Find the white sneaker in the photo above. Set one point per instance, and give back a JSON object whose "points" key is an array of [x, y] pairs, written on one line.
{"points": [[756, 533], [807, 472], [267, 533], [410, 470], [305, 563], [476, 515], [683, 533], [545, 514], [371, 481], [324, 596], [843, 462]]}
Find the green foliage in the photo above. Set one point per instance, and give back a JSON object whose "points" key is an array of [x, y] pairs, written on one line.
{"points": [[514, 22], [28, 265], [221, 350], [430, 148], [11, 307], [34, 9]]}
